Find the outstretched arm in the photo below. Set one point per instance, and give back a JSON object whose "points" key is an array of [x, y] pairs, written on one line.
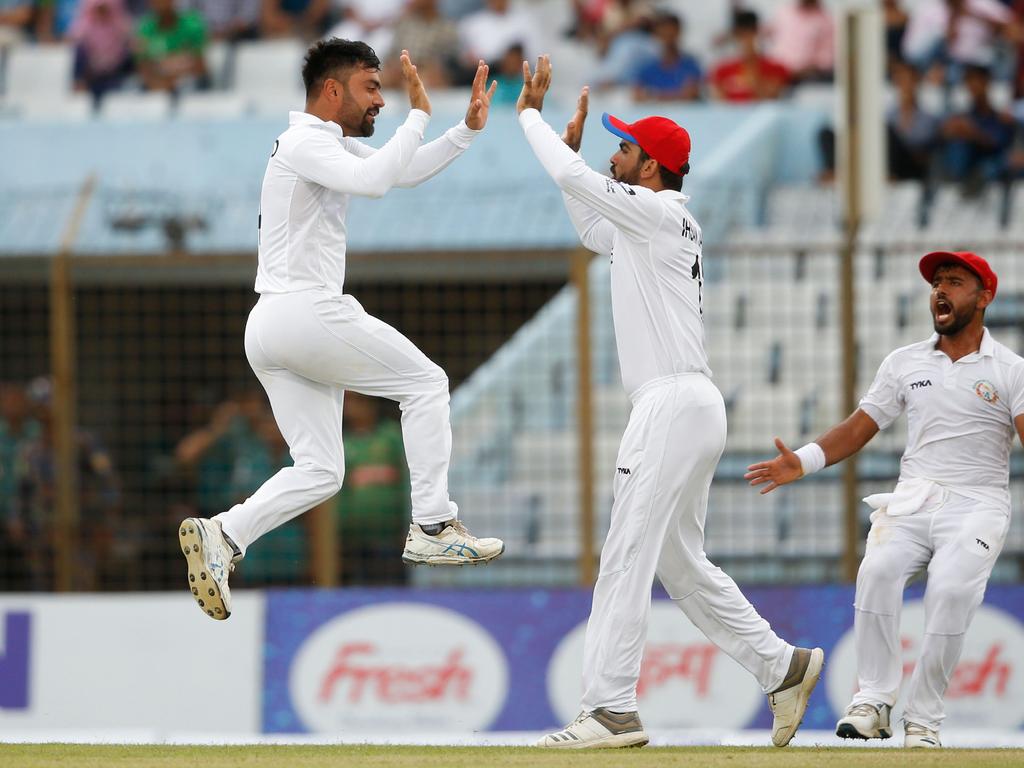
{"points": [[434, 157], [840, 442], [633, 210], [321, 159]]}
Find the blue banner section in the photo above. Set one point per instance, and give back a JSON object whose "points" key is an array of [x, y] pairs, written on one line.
{"points": [[397, 661]]}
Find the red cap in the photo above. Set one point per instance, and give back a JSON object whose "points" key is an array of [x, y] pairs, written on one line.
{"points": [[659, 137], [971, 261]]}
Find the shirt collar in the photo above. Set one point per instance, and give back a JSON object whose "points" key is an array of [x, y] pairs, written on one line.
{"points": [[304, 118], [674, 195], [986, 349]]}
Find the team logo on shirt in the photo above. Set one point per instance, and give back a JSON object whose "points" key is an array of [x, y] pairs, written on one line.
{"points": [[986, 391]]}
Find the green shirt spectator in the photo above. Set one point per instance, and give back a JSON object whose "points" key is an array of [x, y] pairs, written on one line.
{"points": [[373, 506], [170, 47]]}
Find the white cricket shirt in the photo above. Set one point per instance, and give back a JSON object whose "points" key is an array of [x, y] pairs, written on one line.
{"points": [[313, 171], [959, 414], [655, 248]]}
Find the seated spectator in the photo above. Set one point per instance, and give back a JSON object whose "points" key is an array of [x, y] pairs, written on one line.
{"points": [[373, 506], [15, 21], [895, 26], [951, 34], [170, 48], [371, 21], [489, 33], [749, 76], [433, 41], [54, 19], [305, 19], [625, 42], [912, 131], [509, 75], [17, 429], [803, 40], [98, 496], [230, 19], [102, 35], [281, 556], [978, 141], [672, 75]]}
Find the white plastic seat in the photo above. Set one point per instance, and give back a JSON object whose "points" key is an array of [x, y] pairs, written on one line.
{"points": [[128, 106], [66, 108], [262, 67], [211, 105], [38, 72]]}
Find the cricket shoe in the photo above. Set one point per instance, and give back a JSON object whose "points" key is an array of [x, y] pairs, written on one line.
{"points": [[448, 543], [865, 721], [788, 702], [210, 559], [599, 729], [916, 736]]}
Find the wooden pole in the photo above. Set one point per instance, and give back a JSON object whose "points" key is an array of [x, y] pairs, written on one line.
{"points": [[64, 398], [851, 221], [580, 276], [324, 546]]}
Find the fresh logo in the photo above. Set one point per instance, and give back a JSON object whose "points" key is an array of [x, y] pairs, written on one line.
{"points": [[14, 662], [922, 383], [986, 391]]}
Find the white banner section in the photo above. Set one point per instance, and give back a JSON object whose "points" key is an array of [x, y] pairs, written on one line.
{"points": [[149, 662]]}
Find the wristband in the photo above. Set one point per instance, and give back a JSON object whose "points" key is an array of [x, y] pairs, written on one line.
{"points": [[812, 458]]}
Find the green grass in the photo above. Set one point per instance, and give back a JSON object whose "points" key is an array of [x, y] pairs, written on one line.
{"points": [[88, 756]]}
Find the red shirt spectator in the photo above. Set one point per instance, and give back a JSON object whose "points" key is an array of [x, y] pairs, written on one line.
{"points": [[749, 76]]}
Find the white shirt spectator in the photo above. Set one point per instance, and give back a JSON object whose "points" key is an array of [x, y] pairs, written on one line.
{"points": [[972, 41], [959, 414], [803, 38], [489, 33]]}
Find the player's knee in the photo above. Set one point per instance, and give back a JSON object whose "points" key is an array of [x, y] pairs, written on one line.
{"points": [[880, 583], [327, 479]]}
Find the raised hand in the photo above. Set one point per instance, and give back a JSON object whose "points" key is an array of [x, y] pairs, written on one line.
{"points": [[573, 135], [784, 468], [417, 92], [535, 85], [480, 100]]}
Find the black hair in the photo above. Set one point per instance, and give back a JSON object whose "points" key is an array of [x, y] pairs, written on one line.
{"points": [[744, 21], [325, 58], [978, 69], [667, 16], [669, 178]]}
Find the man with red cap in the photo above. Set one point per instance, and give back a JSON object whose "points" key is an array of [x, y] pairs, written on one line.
{"points": [[676, 430], [963, 393]]}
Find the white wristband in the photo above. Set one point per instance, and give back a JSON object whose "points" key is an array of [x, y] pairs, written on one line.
{"points": [[812, 458]]}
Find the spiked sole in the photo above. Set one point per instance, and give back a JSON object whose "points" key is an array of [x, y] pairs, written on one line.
{"points": [[811, 677], [202, 584], [412, 559]]}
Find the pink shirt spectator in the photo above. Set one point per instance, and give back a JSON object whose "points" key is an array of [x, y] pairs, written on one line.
{"points": [[972, 35], [803, 38]]}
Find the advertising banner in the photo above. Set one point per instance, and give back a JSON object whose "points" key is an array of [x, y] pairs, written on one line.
{"points": [[404, 661], [152, 663]]}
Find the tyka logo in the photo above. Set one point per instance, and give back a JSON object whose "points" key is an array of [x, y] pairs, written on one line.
{"points": [[622, 470], [14, 660], [922, 383], [986, 546]]}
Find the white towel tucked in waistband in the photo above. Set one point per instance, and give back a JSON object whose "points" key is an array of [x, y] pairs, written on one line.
{"points": [[908, 497]]}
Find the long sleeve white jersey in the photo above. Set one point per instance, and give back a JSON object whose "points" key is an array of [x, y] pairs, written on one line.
{"points": [[654, 244], [312, 172]]}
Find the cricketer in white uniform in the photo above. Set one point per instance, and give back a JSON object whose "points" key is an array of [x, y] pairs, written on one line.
{"points": [[675, 435], [963, 394], [308, 341]]}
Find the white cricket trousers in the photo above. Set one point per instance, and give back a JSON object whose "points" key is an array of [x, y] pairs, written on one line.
{"points": [[959, 541], [668, 455], [307, 348]]}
